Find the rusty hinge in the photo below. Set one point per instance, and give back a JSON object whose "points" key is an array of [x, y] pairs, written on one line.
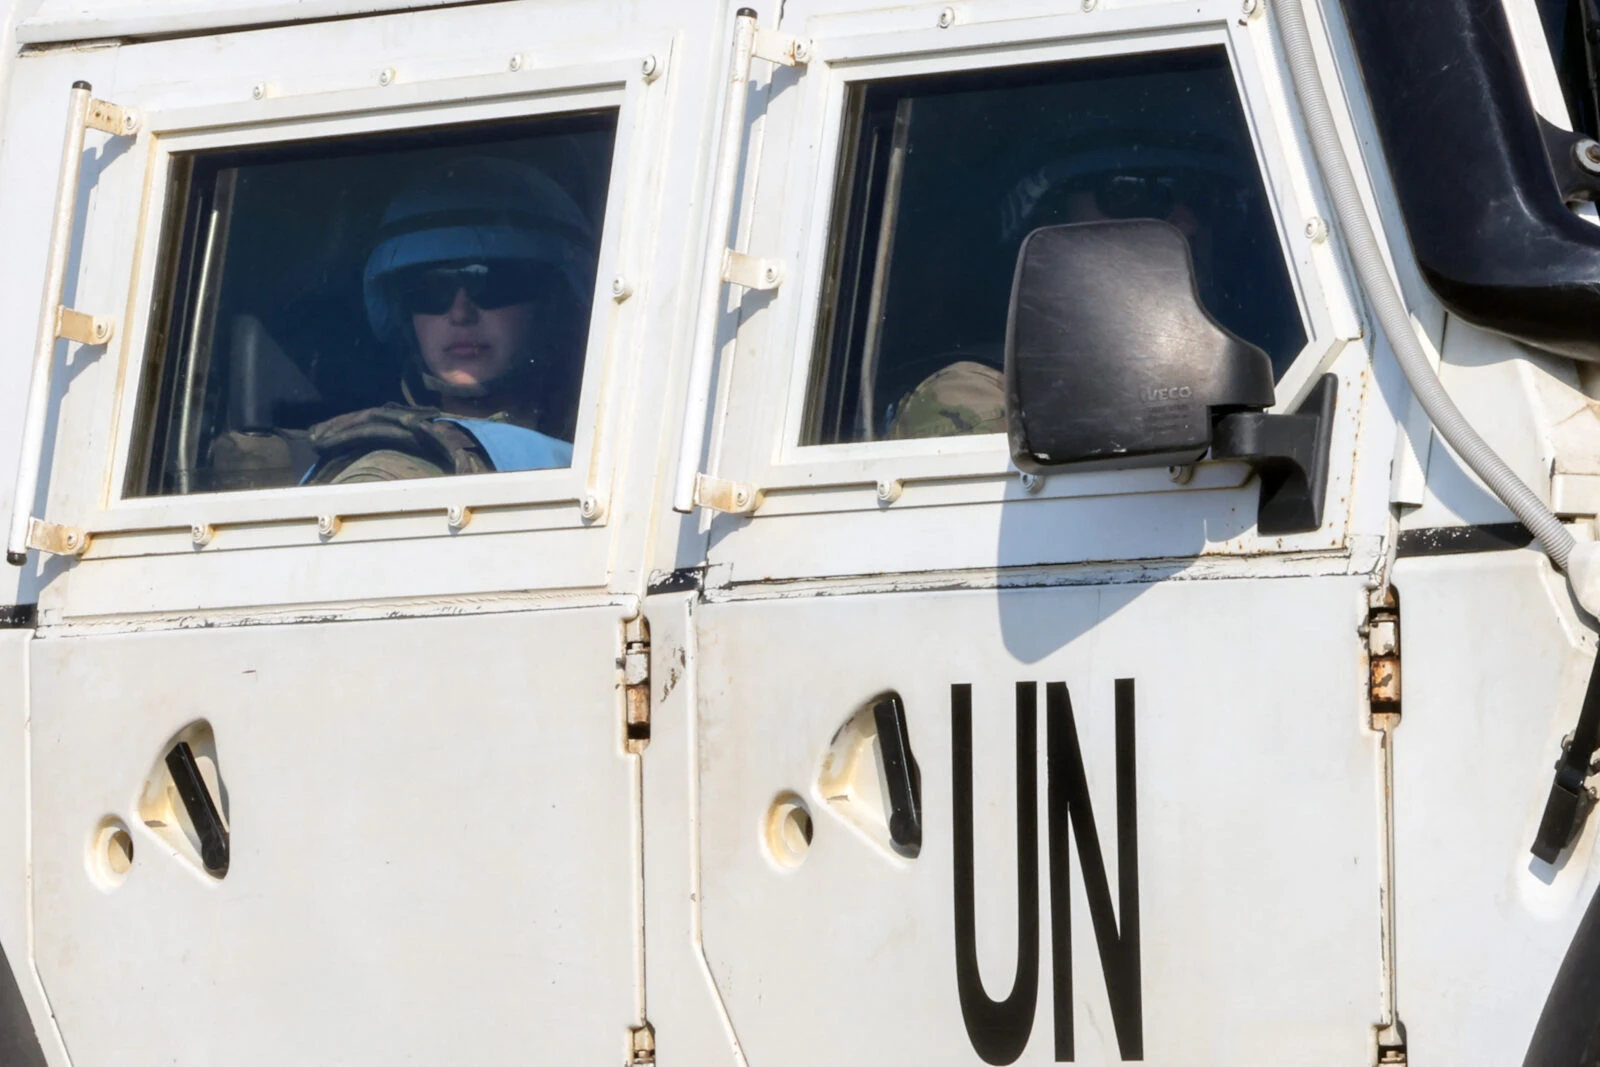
{"points": [[641, 1045], [57, 539], [636, 683], [719, 494], [1382, 630]]}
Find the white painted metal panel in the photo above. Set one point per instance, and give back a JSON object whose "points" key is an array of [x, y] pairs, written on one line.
{"points": [[433, 844], [83, 20], [1495, 668], [1258, 819]]}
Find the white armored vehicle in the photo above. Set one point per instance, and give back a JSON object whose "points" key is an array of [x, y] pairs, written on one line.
{"points": [[836, 532]]}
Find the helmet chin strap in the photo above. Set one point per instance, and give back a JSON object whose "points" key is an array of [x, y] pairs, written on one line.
{"points": [[505, 383], [446, 388]]}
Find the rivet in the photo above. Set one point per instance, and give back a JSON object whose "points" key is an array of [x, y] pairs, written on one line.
{"points": [[1587, 153], [259, 91], [947, 18], [516, 62], [650, 67], [889, 490], [621, 288], [1182, 474], [327, 526], [1032, 483], [802, 50], [456, 516], [591, 507], [1088, 5], [1249, 8], [386, 75], [201, 533], [1316, 229]]}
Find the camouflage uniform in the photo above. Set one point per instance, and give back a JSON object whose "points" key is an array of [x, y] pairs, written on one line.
{"points": [[963, 398], [393, 442]]}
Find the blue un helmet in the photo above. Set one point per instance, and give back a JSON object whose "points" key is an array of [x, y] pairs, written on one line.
{"points": [[477, 210]]}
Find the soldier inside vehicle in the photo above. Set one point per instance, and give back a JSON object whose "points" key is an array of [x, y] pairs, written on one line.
{"points": [[400, 306], [946, 174]]}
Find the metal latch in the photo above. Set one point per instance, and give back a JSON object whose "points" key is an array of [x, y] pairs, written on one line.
{"points": [[636, 685], [719, 494]]}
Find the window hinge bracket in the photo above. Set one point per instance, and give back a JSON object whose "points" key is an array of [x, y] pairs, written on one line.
{"points": [[751, 272], [1382, 630], [56, 539], [83, 328], [733, 498], [775, 47], [636, 685], [111, 118]]}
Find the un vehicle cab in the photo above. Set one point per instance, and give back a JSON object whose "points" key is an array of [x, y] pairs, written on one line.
{"points": [[820, 532]]}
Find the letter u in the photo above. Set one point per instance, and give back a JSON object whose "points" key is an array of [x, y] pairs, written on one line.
{"points": [[999, 1029]]}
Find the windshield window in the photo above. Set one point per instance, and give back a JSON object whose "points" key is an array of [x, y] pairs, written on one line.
{"points": [[391, 306], [944, 175]]}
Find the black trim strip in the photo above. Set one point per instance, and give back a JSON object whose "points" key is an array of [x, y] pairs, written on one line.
{"points": [[19, 616], [1457, 540], [682, 580]]}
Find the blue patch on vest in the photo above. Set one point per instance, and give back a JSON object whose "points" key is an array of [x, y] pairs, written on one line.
{"points": [[516, 448]]}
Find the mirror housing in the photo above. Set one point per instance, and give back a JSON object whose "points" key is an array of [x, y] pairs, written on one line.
{"points": [[1113, 362]]}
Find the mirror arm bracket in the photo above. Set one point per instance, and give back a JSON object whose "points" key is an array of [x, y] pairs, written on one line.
{"points": [[1290, 455]]}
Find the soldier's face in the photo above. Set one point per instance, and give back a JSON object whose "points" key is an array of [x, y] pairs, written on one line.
{"points": [[469, 345]]}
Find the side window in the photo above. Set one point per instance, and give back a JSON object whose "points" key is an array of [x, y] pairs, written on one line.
{"points": [[943, 177], [376, 308]]}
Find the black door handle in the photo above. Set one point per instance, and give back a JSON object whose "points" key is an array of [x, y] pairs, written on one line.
{"points": [[201, 808], [903, 779]]}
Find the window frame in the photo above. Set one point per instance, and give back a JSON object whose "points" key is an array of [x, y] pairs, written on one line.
{"points": [[568, 497], [768, 389]]}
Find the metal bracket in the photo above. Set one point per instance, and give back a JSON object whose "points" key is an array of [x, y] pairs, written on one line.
{"points": [[112, 118], [56, 539], [775, 47], [751, 272], [733, 498], [83, 328]]}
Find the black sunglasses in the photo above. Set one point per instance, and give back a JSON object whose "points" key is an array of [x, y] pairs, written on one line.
{"points": [[496, 284]]}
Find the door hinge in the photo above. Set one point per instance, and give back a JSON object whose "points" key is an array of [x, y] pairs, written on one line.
{"points": [[1382, 630], [636, 684], [641, 1045]]}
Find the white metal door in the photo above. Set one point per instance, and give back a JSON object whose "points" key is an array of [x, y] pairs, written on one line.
{"points": [[1126, 642], [403, 700]]}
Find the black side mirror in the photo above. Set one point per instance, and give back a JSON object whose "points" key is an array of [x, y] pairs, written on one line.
{"points": [[1113, 362]]}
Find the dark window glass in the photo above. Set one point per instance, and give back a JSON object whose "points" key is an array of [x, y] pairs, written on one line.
{"points": [[1572, 28], [390, 306], [944, 175]]}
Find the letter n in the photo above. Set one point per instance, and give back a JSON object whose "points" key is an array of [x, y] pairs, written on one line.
{"points": [[999, 1029], [1069, 798]]}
